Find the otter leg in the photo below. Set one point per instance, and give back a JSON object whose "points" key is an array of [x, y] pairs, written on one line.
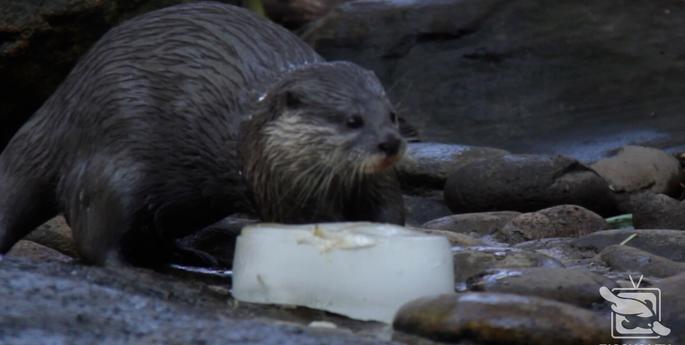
{"points": [[99, 205], [176, 220], [24, 205], [98, 225]]}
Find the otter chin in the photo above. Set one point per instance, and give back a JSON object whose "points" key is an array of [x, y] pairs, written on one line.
{"points": [[379, 163], [182, 116]]}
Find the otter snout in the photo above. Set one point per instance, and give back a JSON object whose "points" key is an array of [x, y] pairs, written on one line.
{"points": [[391, 145]]}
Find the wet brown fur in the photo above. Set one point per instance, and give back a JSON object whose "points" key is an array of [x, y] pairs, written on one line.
{"points": [[182, 116]]}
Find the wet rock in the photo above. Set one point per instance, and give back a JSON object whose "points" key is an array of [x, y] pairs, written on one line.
{"points": [[218, 239], [427, 165], [641, 169], [476, 224], [665, 243], [469, 262], [630, 259], [563, 250], [526, 183], [422, 208], [572, 286], [65, 303], [55, 234], [557, 221], [673, 308], [456, 239], [37, 252], [657, 211], [40, 41], [526, 76], [496, 318]]}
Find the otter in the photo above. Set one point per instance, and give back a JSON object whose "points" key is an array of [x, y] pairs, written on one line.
{"points": [[184, 115]]}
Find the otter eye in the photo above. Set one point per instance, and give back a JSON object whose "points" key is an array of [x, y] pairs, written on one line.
{"points": [[393, 117], [355, 121]]}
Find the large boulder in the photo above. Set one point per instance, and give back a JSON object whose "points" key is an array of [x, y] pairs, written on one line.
{"points": [[526, 183], [295, 13], [49, 302], [524, 75]]}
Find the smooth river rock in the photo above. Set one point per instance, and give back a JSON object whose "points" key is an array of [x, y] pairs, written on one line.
{"points": [[476, 260], [557, 221], [572, 286], [630, 259], [427, 165], [666, 243], [57, 303], [657, 211], [496, 318], [673, 308], [526, 183], [475, 224], [55, 234], [641, 169]]}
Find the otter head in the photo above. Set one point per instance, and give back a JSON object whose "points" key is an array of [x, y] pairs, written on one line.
{"points": [[318, 135]]}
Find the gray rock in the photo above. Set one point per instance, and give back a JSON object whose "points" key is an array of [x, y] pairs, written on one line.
{"points": [[496, 318], [665, 243], [641, 169], [427, 165], [296, 13], [422, 208], [563, 250], [526, 183], [476, 224], [657, 211], [55, 234], [472, 261], [71, 304], [572, 286], [526, 75], [630, 259], [37, 252], [673, 308], [557, 221], [456, 239]]}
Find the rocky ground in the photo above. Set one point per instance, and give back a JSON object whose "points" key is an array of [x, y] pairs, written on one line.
{"points": [[535, 234], [531, 251]]}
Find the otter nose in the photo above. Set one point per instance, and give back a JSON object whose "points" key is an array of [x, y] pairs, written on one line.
{"points": [[391, 145]]}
